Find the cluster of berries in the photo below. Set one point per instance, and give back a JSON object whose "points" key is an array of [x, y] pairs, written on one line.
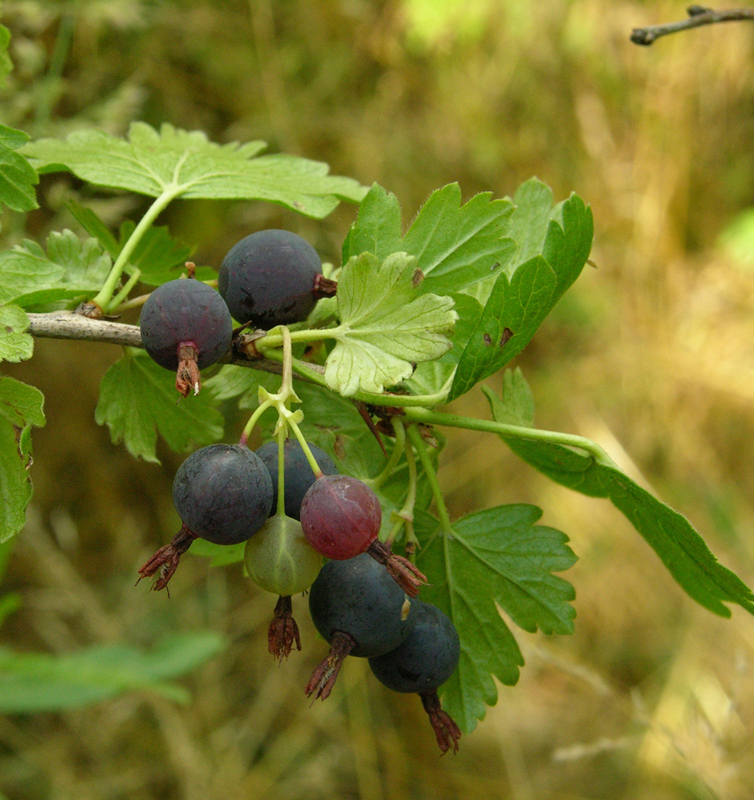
{"points": [[269, 278], [363, 600]]}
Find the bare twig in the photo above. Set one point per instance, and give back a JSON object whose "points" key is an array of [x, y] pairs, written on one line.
{"points": [[69, 325], [698, 16]]}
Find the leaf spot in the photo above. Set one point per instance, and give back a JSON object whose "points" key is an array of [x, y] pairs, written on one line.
{"points": [[418, 278], [494, 266], [338, 447], [487, 339], [507, 333]]}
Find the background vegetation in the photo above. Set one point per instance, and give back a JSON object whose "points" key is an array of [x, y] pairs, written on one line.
{"points": [[650, 354]]}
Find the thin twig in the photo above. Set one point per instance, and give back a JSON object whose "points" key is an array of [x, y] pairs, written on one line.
{"points": [[69, 325], [698, 16]]}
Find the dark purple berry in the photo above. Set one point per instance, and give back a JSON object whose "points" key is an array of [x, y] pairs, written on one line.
{"points": [[269, 278], [185, 326], [360, 610], [222, 493], [298, 473], [426, 659], [422, 663]]}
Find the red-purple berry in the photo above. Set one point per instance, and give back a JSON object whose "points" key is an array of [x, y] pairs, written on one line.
{"points": [[341, 516]]}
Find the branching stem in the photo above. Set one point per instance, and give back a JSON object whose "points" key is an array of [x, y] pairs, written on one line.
{"points": [[124, 292], [68, 325], [698, 16], [105, 295], [395, 456]]}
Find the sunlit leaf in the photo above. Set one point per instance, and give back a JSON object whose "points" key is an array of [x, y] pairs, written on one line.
{"points": [[186, 164]]}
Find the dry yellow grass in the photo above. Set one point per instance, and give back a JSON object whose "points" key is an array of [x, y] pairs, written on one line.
{"points": [[650, 354]]}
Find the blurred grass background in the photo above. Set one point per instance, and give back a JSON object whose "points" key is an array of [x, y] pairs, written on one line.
{"points": [[651, 354]]}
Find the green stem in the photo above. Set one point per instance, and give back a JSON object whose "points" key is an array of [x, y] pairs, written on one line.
{"points": [[405, 517], [134, 302], [429, 471], [307, 450], [281, 437], [395, 456], [510, 431], [314, 335], [382, 399], [123, 293], [286, 387], [261, 408], [288, 418], [104, 298]]}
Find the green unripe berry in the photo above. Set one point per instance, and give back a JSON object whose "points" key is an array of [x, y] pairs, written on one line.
{"points": [[279, 559]]}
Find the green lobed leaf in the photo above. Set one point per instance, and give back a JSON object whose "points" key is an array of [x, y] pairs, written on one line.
{"points": [[455, 244], [430, 377], [85, 263], [386, 325], [513, 312], [15, 344], [12, 138], [518, 303], [533, 201], [37, 682], [497, 557], [517, 405], [377, 229], [20, 410], [17, 177], [69, 271], [679, 546], [186, 164], [138, 399]]}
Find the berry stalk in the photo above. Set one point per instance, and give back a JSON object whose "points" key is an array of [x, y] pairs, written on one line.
{"points": [[429, 471]]}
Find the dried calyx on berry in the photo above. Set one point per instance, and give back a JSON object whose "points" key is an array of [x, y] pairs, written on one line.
{"points": [[185, 326], [341, 518], [280, 560], [222, 493], [422, 663], [361, 611]]}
